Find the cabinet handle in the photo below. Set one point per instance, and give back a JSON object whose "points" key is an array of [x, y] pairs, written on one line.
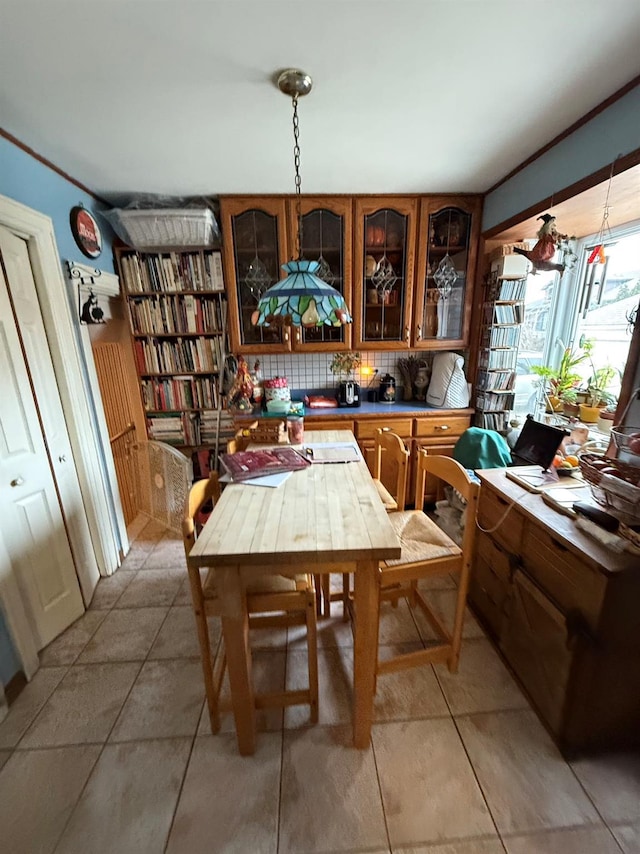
{"points": [[298, 334], [407, 334], [442, 426], [418, 333], [285, 336], [17, 481]]}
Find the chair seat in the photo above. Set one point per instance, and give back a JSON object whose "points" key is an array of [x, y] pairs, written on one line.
{"points": [[386, 497], [421, 539], [262, 584]]}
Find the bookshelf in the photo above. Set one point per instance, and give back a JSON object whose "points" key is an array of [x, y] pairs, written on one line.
{"points": [[177, 309], [503, 315]]}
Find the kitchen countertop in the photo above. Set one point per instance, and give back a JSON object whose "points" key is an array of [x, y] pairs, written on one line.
{"points": [[410, 408]]}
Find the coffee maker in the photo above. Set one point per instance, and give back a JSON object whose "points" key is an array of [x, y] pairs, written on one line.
{"points": [[348, 393]]}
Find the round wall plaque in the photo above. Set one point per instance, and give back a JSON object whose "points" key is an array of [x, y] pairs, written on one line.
{"points": [[86, 231]]}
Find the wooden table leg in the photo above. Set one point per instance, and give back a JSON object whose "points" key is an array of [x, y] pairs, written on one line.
{"points": [[235, 630], [366, 650]]}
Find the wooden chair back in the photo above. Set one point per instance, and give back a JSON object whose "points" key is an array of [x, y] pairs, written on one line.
{"points": [[391, 454], [452, 473], [200, 493]]}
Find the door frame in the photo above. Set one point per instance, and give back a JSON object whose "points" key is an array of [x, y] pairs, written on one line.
{"points": [[73, 378]]}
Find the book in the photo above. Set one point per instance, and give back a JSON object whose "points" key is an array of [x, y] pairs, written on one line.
{"points": [[247, 464]]}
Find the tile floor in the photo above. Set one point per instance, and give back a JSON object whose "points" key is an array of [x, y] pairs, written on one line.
{"points": [[108, 748]]}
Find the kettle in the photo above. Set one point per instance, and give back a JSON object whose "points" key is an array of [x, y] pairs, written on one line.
{"points": [[387, 389]]}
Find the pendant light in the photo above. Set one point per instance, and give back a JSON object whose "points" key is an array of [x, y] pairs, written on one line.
{"points": [[301, 298]]}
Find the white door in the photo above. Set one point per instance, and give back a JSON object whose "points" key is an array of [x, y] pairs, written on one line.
{"points": [[31, 521]]}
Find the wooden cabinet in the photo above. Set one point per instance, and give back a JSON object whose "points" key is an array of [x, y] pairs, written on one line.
{"points": [[259, 236], [384, 253], [177, 310], [418, 433], [564, 612], [255, 248], [447, 255], [381, 252]]}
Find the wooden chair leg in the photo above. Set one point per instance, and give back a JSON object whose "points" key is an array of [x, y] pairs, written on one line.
{"points": [[346, 580], [458, 623], [413, 596], [312, 654], [207, 671], [326, 595], [317, 583]]}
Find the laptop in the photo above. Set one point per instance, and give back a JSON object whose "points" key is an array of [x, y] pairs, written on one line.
{"points": [[533, 454], [537, 444]]}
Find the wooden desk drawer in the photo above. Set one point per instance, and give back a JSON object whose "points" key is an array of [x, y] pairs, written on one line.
{"points": [[572, 583], [441, 427], [490, 582], [491, 509], [400, 426]]}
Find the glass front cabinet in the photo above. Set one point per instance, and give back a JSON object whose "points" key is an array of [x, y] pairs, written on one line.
{"points": [[447, 249], [405, 266], [385, 234], [259, 236]]}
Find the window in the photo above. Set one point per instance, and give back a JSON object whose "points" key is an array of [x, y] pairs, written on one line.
{"points": [[591, 301]]}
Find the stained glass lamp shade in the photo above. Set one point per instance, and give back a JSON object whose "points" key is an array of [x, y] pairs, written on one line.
{"points": [[302, 299]]}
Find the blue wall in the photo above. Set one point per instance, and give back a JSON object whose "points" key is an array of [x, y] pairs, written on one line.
{"points": [[27, 180], [592, 146]]}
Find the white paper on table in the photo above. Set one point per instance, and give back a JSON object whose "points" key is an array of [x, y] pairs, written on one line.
{"points": [[271, 480], [341, 452]]}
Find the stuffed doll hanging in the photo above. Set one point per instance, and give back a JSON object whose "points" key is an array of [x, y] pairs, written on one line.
{"points": [[544, 250]]}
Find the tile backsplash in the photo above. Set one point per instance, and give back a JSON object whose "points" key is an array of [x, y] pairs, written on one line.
{"points": [[311, 370]]}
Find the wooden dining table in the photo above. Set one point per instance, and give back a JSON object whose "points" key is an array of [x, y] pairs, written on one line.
{"points": [[324, 515]]}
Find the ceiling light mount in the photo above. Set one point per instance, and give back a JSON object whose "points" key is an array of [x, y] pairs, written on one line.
{"points": [[294, 83]]}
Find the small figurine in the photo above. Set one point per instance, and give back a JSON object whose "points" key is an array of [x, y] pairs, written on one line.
{"points": [[242, 388], [544, 250]]}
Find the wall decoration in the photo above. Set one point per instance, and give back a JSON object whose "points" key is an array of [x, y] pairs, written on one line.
{"points": [[86, 231], [95, 290]]}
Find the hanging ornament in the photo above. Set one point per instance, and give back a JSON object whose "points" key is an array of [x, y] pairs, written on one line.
{"points": [[598, 254]]}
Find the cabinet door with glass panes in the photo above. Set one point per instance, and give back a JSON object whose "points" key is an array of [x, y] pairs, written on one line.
{"points": [[384, 248], [254, 234], [447, 251], [326, 236]]}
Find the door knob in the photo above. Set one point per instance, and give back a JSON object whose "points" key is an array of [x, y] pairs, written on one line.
{"points": [[17, 481]]}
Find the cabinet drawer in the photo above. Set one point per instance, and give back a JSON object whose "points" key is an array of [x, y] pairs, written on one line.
{"points": [[536, 644], [572, 583], [441, 427], [311, 423], [399, 426], [491, 509], [490, 582]]}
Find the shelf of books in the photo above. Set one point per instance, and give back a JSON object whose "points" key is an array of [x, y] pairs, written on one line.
{"points": [[503, 316], [177, 309]]}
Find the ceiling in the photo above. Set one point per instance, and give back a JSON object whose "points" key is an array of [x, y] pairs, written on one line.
{"points": [[410, 96]]}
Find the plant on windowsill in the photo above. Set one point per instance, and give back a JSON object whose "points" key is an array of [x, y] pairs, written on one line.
{"points": [[558, 382], [598, 396]]}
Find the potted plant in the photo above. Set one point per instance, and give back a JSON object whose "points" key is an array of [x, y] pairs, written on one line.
{"points": [[598, 396], [345, 364], [570, 403], [558, 382]]}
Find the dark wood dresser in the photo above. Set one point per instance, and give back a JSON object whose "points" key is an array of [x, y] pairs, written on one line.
{"points": [[565, 613]]}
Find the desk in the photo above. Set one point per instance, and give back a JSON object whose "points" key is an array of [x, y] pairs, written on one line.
{"points": [[564, 611], [324, 515]]}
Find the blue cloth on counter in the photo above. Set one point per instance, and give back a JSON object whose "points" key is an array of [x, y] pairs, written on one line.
{"points": [[478, 448]]}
